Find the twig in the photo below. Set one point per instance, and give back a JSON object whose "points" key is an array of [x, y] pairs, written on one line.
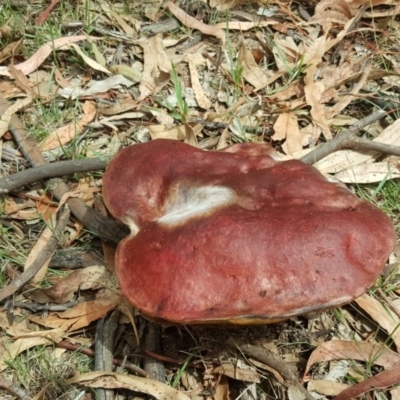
{"points": [[268, 358], [44, 255], [90, 353], [343, 140], [54, 170], [102, 226], [357, 143], [35, 307]]}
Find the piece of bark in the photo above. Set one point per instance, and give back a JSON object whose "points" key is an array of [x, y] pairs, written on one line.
{"points": [[104, 347], [152, 342], [75, 258]]}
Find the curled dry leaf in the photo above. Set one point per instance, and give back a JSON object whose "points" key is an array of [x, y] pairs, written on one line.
{"points": [[234, 371], [382, 380], [194, 23], [157, 67], [326, 387], [369, 173], [251, 71], [328, 12], [161, 132], [385, 318], [89, 61], [111, 380], [8, 352], [6, 117], [79, 316], [202, 100], [353, 350], [95, 277], [113, 82], [287, 127], [70, 131], [34, 62], [44, 14]]}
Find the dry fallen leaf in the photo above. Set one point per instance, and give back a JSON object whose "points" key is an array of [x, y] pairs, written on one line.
{"points": [[201, 98], [353, 350], [251, 71], [8, 351], [233, 371], [326, 387], [287, 127], [94, 277], [349, 159], [70, 131], [194, 23], [157, 67], [95, 87], [369, 173], [78, 316], [385, 318], [111, 380], [6, 117], [382, 380], [34, 62]]}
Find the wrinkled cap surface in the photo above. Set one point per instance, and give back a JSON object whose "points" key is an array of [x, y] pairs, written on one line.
{"points": [[236, 236]]}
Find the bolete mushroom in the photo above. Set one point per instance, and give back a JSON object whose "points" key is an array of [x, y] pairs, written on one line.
{"points": [[236, 236]]}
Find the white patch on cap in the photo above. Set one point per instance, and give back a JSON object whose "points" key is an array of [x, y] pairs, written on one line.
{"points": [[194, 202], [131, 224]]}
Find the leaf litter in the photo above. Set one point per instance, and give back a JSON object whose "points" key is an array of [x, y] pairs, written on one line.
{"points": [[292, 75]]}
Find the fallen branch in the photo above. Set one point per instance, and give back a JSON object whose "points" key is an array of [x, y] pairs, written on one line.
{"points": [[344, 140], [35, 307], [107, 228], [54, 170]]}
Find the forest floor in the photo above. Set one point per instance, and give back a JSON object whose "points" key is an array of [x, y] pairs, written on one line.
{"points": [[80, 79]]}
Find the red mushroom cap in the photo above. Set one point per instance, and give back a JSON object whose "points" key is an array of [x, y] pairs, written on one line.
{"points": [[236, 236]]}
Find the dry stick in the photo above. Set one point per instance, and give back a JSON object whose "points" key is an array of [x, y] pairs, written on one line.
{"points": [[343, 140], [348, 139], [102, 226], [35, 307], [54, 170], [104, 346], [44, 255], [268, 358]]}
